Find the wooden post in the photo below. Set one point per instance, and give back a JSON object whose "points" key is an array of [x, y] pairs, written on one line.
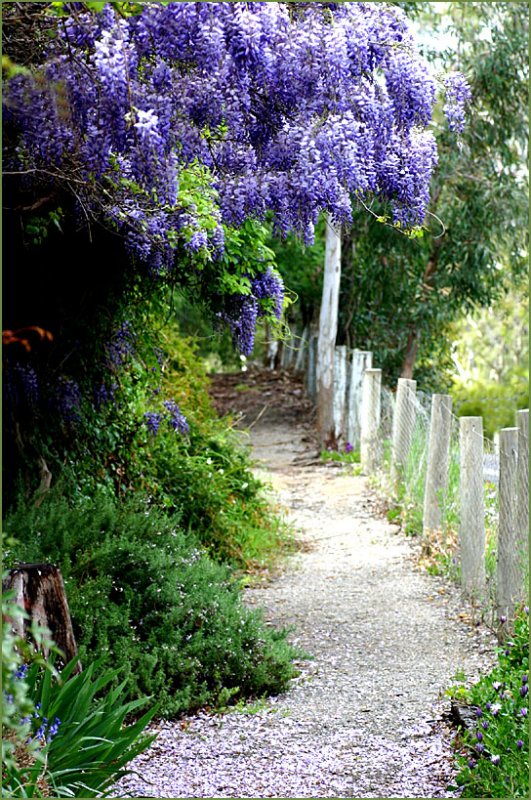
{"points": [[472, 523], [340, 391], [302, 347], [370, 420], [311, 382], [361, 360], [508, 583], [327, 334], [438, 457], [522, 493], [40, 591], [403, 427]]}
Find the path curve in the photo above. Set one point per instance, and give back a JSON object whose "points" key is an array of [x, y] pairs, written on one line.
{"points": [[365, 718]]}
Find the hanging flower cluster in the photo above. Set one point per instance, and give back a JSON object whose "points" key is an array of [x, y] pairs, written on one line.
{"points": [[292, 109]]}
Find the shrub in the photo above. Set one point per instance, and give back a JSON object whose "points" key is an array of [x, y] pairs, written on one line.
{"points": [[493, 761], [145, 598]]}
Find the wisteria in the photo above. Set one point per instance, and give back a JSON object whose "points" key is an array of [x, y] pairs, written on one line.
{"points": [[176, 419], [458, 96], [287, 109]]}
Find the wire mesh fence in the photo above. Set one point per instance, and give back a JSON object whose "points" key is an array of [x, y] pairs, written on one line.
{"points": [[465, 495]]}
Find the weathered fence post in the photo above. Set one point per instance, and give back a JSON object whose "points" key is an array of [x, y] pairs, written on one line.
{"points": [[302, 347], [288, 351], [361, 360], [311, 367], [472, 501], [403, 426], [340, 391], [522, 491], [438, 456], [508, 573], [370, 420]]}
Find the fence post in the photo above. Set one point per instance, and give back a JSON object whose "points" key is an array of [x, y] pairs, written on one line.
{"points": [[370, 419], [403, 426], [361, 360], [472, 502], [340, 390], [508, 584], [301, 351], [311, 367], [522, 491], [438, 456]]}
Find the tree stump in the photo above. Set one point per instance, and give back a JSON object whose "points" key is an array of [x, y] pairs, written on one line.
{"points": [[40, 591]]}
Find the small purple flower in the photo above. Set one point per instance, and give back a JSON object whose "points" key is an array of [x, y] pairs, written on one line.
{"points": [[479, 712], [21, 671], [485, 725], [526, 610], [480, 748], [495, 760], [524, 678], [479, 736], [496, 686], [523, 712], [54, 727], [503, 619], [495, 709], [348, 447], [153, 420], [524, 690], [488, 706], [519, 744], [471, 763]]}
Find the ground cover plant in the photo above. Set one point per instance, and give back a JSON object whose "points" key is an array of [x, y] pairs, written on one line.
{"points": [[144, 597], [494, 752]]}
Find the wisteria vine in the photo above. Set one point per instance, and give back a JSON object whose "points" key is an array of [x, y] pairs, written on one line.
{"points": [[293, 109]]}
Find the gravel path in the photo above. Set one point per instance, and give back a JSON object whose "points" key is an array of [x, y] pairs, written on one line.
{"points": [[366, 717]]}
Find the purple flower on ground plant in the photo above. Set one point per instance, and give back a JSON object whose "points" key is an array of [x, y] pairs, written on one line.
{"points": [[524, 678], [485, 725], [495, 760], [524, 690], [480, 747], [348, 447], [479, 736], [479, 712], [21, 671], [519, 744], [471, 763], [523, 712]]}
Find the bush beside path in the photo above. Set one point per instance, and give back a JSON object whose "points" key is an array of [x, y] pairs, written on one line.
{"points": [[367, 716]]}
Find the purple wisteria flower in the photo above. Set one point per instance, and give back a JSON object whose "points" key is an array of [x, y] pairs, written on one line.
{"points": [[153, 420], [177, 420], [121, 346], [458, 96]]}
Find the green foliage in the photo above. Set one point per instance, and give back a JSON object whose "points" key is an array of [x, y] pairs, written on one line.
{"points": [[146, 599], [492, 357], [86, 747], [493, 759], [16, 702]]}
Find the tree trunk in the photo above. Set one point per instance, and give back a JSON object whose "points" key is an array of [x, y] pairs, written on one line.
{"points": [[39, 590], [327, 335], [410, 355]]}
